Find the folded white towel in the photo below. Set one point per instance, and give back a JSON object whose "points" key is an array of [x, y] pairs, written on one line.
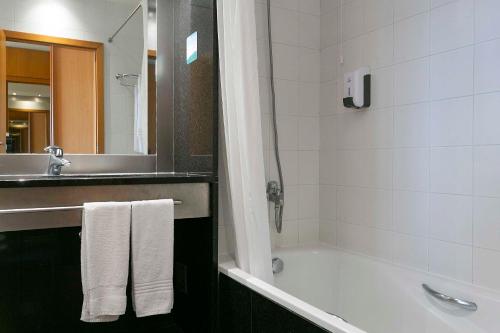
{"points": [[152, 257], [105, 259]]}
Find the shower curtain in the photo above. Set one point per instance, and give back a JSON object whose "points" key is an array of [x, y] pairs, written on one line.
{"points": [[242, 178], [141, 91]]}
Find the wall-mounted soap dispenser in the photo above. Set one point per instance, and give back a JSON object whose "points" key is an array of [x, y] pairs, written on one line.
{"points": [[357, 88]]}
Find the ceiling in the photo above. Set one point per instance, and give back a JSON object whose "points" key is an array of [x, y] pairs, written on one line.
{"points": [[29, 90]]}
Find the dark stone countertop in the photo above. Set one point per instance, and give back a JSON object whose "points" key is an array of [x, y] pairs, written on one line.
{"points": [[13, 181]]}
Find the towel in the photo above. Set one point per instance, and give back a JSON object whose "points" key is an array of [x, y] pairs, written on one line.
{"points": [[105, 248], [152, 257]]}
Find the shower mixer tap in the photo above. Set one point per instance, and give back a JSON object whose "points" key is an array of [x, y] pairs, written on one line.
{"points": [[276, 196]]}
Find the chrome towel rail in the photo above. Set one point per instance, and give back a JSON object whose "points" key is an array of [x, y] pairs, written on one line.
{"points": [[467, 305], [52, 209]]}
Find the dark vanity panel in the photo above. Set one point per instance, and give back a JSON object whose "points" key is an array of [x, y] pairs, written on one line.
{"points": [[188, 85], [40, 284], [245, 311]]}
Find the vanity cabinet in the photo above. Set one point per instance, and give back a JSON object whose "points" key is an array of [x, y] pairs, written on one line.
{"points": [[40, 284]]}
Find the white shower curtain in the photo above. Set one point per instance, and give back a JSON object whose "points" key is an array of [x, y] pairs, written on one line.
{"points": [[242, 191], [141, 91]]}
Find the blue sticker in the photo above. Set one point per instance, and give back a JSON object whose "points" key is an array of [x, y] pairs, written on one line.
{"points": [[192, 48]]}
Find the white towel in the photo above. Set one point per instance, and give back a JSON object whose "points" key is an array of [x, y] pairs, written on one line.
{"points": [[152, 257], [105, 260]]}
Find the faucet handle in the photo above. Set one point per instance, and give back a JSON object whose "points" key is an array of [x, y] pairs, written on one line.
{"points": [[54, 150]]}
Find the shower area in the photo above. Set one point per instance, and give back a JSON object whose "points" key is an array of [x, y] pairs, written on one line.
{"points": [[391, 214]]}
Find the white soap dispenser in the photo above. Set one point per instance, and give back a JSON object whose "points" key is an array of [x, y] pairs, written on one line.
{"points": [[357, 88]]}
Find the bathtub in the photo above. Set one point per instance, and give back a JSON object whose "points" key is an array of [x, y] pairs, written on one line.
{"points": [[327, 286]]}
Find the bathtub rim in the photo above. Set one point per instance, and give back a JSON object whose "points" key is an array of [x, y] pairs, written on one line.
{"points": [[228, 267]]}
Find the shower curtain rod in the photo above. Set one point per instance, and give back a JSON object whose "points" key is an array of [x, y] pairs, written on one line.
{"points": [[110, 39]]}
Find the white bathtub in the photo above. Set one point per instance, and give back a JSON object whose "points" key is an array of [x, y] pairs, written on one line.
{"points": [[371, 295]]}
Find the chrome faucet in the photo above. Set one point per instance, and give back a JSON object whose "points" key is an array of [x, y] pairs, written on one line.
{"points": [[56, 160], [276, 195]]}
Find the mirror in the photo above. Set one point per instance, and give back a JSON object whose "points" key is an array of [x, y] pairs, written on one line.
{"points": [[79, 74]]}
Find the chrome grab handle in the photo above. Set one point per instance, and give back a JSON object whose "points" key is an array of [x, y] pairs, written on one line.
{"points": [[467, 305]]}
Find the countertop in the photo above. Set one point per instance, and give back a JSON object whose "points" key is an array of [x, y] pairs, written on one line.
{"points": [[15, 181]]}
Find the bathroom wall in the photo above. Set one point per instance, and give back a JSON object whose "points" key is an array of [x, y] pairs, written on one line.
{"points": [[416, 178], [296, 48], [93, 20]]}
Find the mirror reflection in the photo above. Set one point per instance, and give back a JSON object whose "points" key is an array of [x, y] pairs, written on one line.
{"points": [[78, 74]]}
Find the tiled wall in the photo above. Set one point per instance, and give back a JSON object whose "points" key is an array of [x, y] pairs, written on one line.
{"points": [[93, 20], [415, 179], [296, 47]]}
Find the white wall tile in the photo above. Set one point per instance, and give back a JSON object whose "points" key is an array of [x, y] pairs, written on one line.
{"points": [[411, 169], [309, 99], [328, 98], [329, 57], [308, 167], [486, 268], [363, 206], [411, 213], [451, 170], [452, 74], [487, 25], [308, 133], [328, 232], [410, 251], [328, 128], [370, 168], [291, 211], [328, 202], [379, 48], [411, 125], [452, 122], [452, 260], [286, 61], [487, 223], [486, 119], [285, 26], [289, 4], [309, 65], [412, 82], [405, 8], [310, 7], [328, 167], [487, 67], [329, 34], [308, 231], [308, 202], [309, 30], [452, 25], [378, 13], [486, 166], [382, 88], [373, 129], [287, 97], [451, 218], [353, 15], [411, 38], [288, 128]]}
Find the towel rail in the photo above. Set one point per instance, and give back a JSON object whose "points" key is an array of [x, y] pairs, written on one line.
{"points": [[52, 209]]}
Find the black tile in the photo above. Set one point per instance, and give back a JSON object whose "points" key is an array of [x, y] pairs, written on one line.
{"points": [[269, 317], [235, 306], [40, 284]]}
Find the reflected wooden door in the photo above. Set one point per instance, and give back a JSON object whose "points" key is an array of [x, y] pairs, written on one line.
{"points": [[39, 131], [74, 99], [3, 93]]}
